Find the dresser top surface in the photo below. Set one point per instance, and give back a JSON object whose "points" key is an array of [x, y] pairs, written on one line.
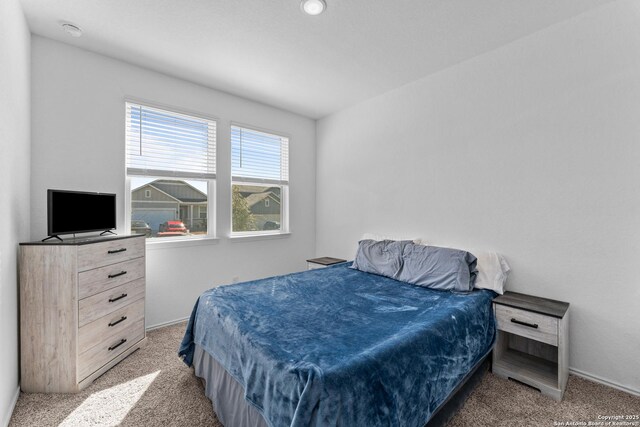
{"points": [[81, 240], [540, 305]]}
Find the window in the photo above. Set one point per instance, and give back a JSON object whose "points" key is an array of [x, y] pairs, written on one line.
{"points": [[171, 166], [260, 181]]}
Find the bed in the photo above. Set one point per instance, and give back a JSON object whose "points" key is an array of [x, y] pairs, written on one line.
{"points": [[335, 346]]}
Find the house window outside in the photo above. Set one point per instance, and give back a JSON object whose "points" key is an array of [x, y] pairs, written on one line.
{"points": [[171, 170], [260, 181]]}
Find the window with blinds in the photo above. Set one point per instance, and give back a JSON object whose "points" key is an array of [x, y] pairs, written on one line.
{"points": [[260, 180], [164, 143], [171, 164]]}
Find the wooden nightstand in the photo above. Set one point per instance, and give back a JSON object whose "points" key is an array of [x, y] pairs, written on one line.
{"points": [[533, 342], [323, 262]]}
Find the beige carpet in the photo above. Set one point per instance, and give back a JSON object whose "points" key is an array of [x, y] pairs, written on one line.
{"points": [[153, 387]]}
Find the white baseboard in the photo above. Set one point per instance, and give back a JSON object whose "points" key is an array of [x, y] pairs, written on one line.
{"points": [[12, 406], [600, 380], [169, 323]]}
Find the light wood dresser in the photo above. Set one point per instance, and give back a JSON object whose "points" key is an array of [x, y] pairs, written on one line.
{"points": [[533, 342], [81, 309]]}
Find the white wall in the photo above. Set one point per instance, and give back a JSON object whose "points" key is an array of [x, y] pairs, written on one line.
{"points": [[14, 194], [533, 150], [78, 144]]}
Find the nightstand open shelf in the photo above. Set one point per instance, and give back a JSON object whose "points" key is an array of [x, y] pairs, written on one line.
{"points": [[533, 342], [527, 368]]}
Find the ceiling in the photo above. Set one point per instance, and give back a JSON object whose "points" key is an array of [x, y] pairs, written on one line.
{"points": [[271, 52]]}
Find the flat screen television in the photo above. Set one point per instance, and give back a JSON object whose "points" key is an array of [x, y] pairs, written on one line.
{"points": [[70, 212]]}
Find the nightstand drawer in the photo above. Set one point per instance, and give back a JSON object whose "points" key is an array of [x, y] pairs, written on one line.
{"points": [[527, 324]]}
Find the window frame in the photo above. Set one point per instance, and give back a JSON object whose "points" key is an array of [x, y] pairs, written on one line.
{"points": [[190, 240], [284, 188]]}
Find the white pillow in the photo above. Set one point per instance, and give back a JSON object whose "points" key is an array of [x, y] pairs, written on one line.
{"points": [[493, 271], [380, 237]]}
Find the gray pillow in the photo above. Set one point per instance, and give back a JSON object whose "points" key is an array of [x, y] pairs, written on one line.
{"points": [[380, 257], [438, 268]]}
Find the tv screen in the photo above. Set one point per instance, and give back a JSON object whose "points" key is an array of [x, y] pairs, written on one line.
{"points": [[79, 212]]}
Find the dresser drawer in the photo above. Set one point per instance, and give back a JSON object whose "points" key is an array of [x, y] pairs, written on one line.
{"points": [[527, 324], [107, 327], [91, 282], [99, 305], [110, 252], [99, 355]]}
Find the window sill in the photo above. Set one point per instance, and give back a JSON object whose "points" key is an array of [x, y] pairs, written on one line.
{"points": [[155, 244], [253, 237]]}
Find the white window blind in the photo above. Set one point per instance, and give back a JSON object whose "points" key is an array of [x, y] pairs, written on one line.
{"points": [[259, 157], [168, 144]]}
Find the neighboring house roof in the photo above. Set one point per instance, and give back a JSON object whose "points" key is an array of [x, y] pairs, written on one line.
{"points": [[254, 198], [249, 189], [256, 193], [179, 190]]}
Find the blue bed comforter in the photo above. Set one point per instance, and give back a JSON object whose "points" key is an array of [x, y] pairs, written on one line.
{"points": [[342, 347]]}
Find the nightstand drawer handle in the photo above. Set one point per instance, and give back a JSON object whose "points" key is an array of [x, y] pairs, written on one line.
{"points": [[122, 341], [115, 251], [520, 322], [125, 295]]}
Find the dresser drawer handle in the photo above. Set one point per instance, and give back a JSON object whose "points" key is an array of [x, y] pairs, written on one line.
{"points": [[124, 295], [122, 319], [122, 273], [520, 322], [122, 341], [115, 251]]}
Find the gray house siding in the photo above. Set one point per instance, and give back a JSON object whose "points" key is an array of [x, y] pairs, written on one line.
{"points": [[155, 195], [165, 200], [261, 208]]}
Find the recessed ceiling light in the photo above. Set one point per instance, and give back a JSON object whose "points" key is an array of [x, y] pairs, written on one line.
{"points": [[72, 30], [313, 7]]}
